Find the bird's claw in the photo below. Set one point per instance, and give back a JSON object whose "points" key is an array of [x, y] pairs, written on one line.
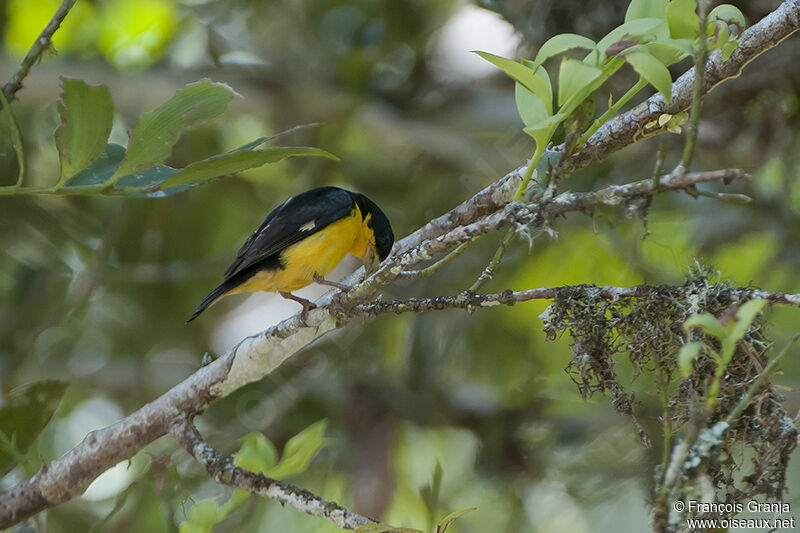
{"points": [[308, 305], [322, 281]]}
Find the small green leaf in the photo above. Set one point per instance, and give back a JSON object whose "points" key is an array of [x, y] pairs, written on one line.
{"points": [[299, 450], [708, 323], [718, 35], [236, 161], [686, 356], [430, 492], [744, 318], [16, 136], [670, 51], [646, 29], [682, 19], [204, 515], [574, 77], [530, 107], [521, 74], [101, 170], [257, 453], [145, 181], [652, 70], [639, 9], [728, 49], [561, 43], [86, 115], [444, 523], [728, 15], [545, 77], [543, 131], [25, 413], [157, 132]]}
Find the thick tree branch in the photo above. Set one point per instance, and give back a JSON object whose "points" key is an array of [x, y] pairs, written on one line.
{"points": [[225, 472], [255, 357], [37, 49]]}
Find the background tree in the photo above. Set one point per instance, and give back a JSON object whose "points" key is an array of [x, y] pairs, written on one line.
{"points": [[95, 289]]}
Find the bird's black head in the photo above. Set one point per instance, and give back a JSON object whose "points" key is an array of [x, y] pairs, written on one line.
{"points": [[379, 222]]}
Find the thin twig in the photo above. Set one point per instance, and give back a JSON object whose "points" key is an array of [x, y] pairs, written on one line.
{"points": [[612, 110], [435, 267], [488, 271], [225, 472], [39, 46], [467, 299], [699, 85]]}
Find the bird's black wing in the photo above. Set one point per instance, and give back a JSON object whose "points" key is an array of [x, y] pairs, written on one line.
{"points": [[291, 222]]}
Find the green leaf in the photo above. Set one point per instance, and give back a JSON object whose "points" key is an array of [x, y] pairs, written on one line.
{"points": [[257, 453], [652, 70], [444, 523], [148, 180], [157, 132], [744, 318], [86, 115], [16, 136], [530, 107], [523, 75], [430, 493], [687, 354], [575, 77], [300, 449], [24, 415], [236, 161], [561, 43], [728, 14], [718, 35], [670, 51], [708, 323], [639, 9], [543, 131], [101, 170], [204, 515], [540, 71], [682, 19], [728, 49], [649, 28]]}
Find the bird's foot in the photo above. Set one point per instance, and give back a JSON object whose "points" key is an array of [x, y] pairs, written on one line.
{"points": [[308, 305], [322, 281]]}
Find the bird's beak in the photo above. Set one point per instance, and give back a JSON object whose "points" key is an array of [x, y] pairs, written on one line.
{"points": [[371, 261]]}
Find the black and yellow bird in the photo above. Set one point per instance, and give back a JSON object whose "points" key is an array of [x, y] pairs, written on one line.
{"points": [[302, 240]]}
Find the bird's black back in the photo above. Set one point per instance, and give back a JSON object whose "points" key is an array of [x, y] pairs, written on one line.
{"points": [[282, 227]]}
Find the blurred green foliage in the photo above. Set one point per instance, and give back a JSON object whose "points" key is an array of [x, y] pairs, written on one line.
{"points": [[130, 35], [94, 291]]}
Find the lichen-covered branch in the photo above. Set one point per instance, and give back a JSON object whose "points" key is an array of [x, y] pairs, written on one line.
{"points": [[37, 49], [225, 472], [468, 300]]}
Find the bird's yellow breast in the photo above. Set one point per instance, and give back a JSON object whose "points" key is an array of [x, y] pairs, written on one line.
{"points": [[319, 253]]}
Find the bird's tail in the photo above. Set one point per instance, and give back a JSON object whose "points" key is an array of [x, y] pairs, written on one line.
{"points": [[212, 297]]}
